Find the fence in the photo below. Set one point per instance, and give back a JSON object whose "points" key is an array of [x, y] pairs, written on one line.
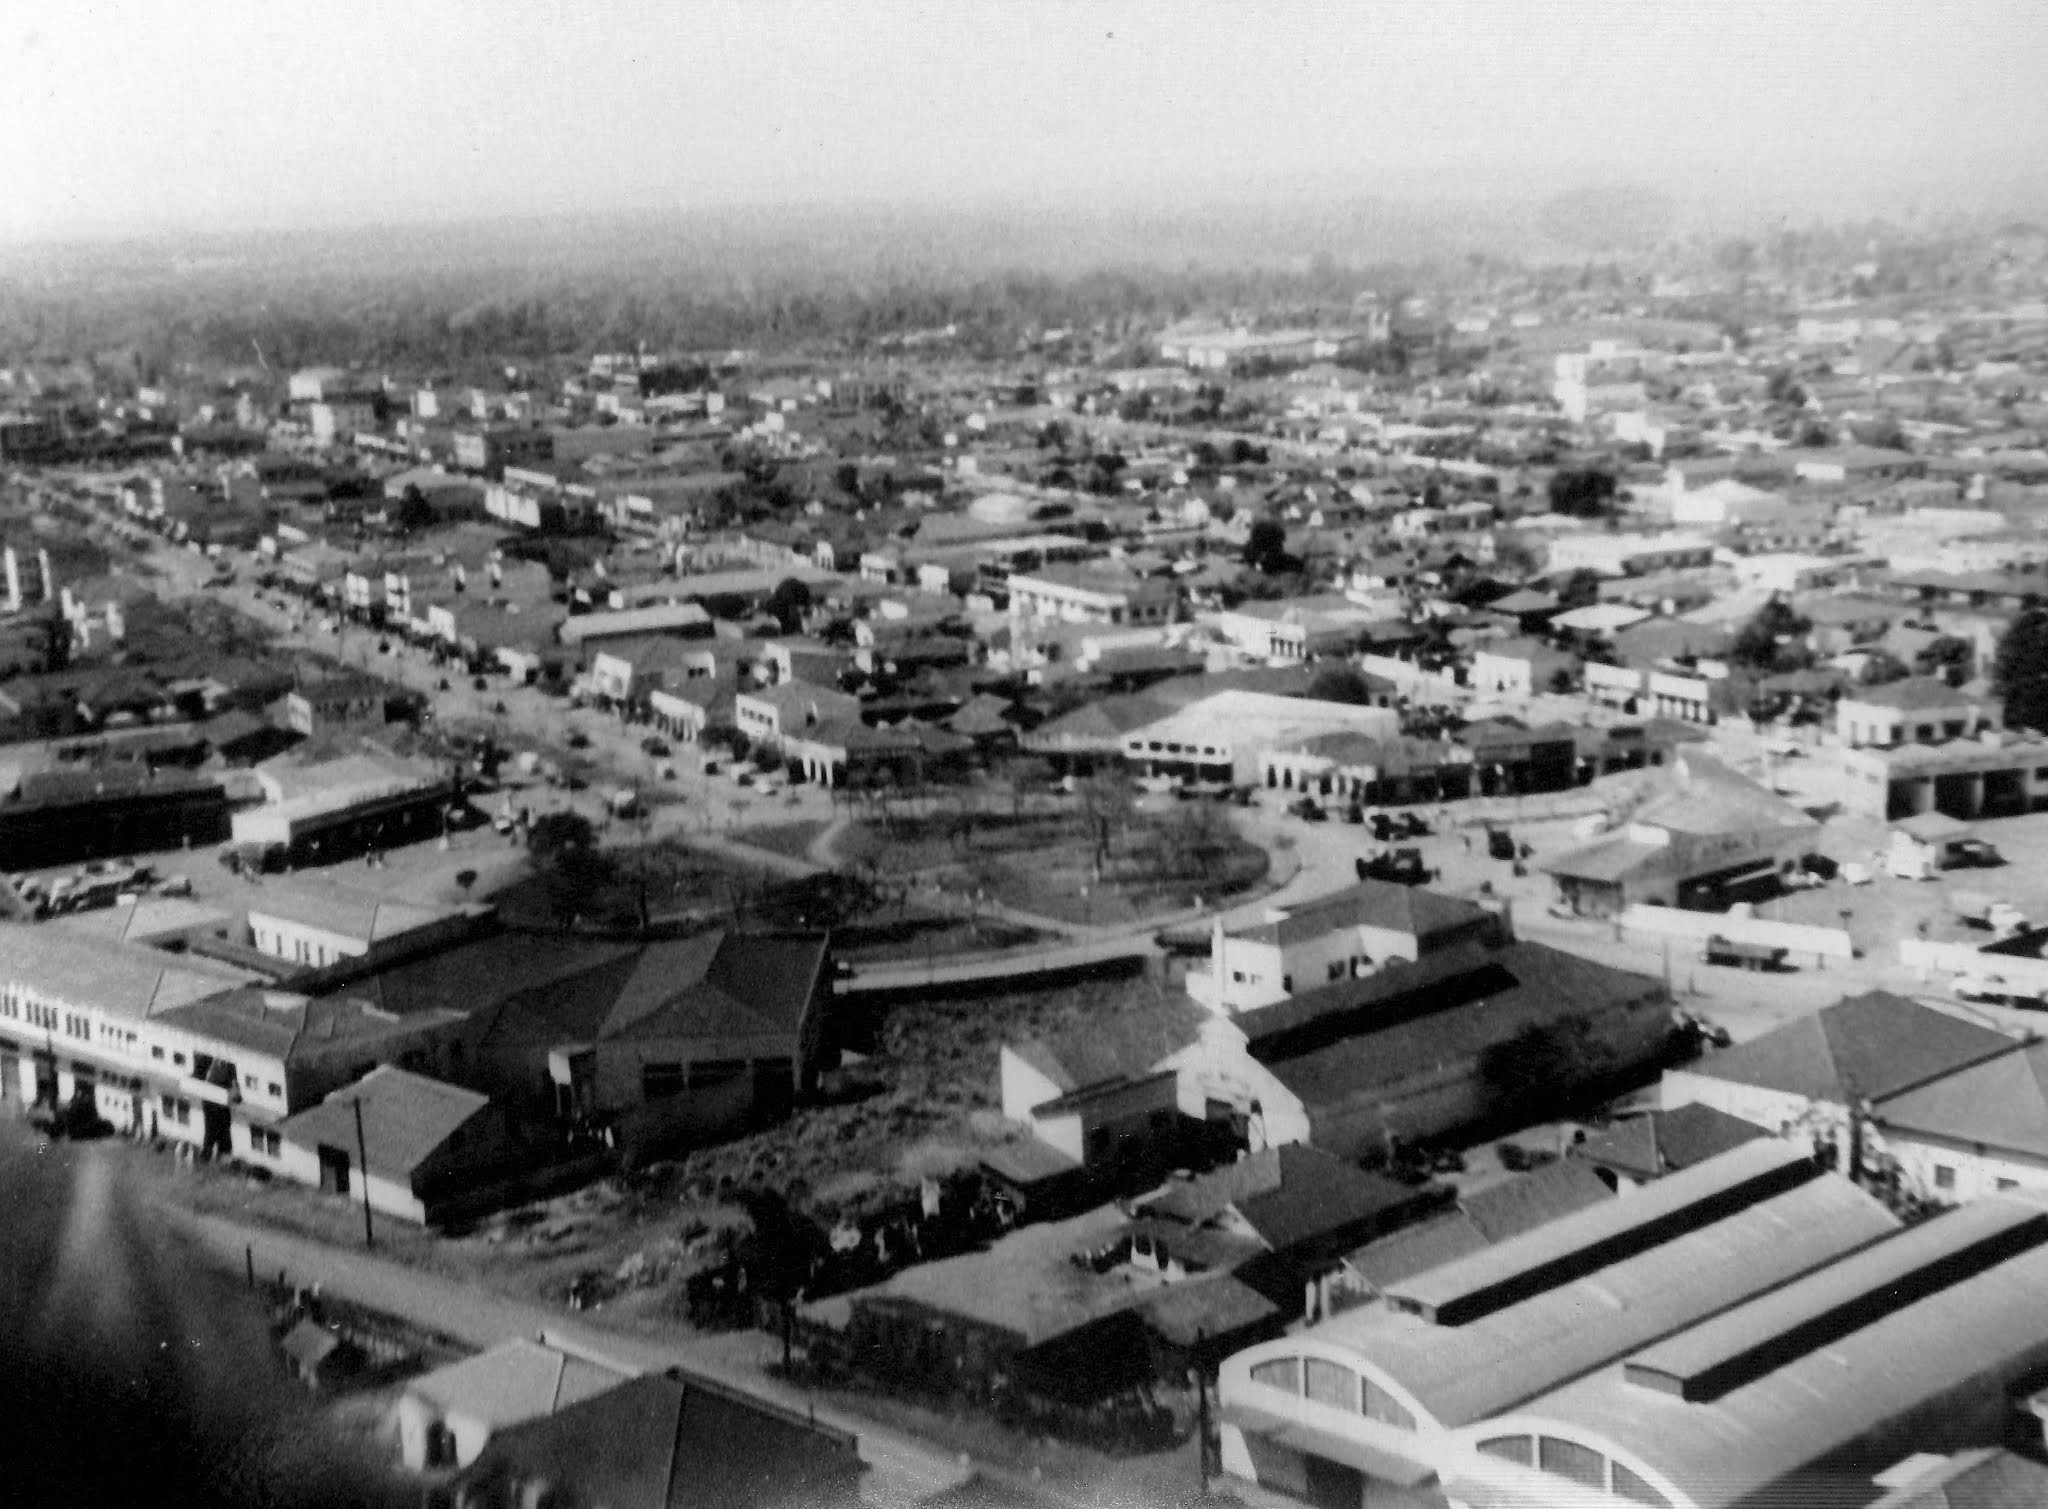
{"points": [[1817, 944], [2022, 975], [1409, 677]]}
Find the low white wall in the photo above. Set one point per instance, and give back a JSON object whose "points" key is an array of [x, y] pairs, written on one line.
{"points": [[1797, 939], [1926, 959]]}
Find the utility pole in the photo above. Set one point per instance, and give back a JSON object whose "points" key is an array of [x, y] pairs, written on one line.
{"points": [[1202, 1407], [363, 1155]]}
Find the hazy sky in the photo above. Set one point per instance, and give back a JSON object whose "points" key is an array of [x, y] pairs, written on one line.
{"points": [[219, 115]]}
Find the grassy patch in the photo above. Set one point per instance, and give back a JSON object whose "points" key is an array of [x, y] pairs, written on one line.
{"points": [[1091, 862], [791, 839]]}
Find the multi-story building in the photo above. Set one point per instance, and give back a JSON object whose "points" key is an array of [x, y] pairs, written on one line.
{"points": [[179, 1047], [1079, 595], [1346, 935], [1917, 710]]}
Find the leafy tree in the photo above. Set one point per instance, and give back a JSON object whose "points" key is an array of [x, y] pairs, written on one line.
{"points": [[1341, 683], [2020, 669], [788, 603], [1784, 388], [1949, 657], [1773, 640], [414, 511], [1583, 492], [1881, 668], [1581, 589], [557, 836], [1265, 547], [846, 477], [1547, 1061]]}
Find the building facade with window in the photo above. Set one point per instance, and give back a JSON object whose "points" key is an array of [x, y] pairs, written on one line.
{"points": [[1393, 1403]]}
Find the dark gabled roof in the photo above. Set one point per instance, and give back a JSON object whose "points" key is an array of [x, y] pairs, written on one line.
{"points": [[1414, 911], [406, 1118], [1913, 694], [287, 1025], [1417, 1249], [479, 973], [1864, 1047], [718, 985], [1663, 1142], [1207, 1307], [1343, 1042], [1287, 1195], [1123, 1046], [1104, 718], [1534, 1199], [1490, 1215], [2000, 1104], [661, 1442]]}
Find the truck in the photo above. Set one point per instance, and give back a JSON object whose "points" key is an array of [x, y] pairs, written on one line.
{"points": [[1763, 957], [1976, 909]]}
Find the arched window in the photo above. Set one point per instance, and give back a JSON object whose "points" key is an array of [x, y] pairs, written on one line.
{"points": [[1281, 1373], [1332, 1384], [1629, 1485], [1520, 1450], [1379, 1405], [1570, 1460]]}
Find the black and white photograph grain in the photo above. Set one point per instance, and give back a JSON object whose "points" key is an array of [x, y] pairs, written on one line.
{"points": [[1023, 754]]}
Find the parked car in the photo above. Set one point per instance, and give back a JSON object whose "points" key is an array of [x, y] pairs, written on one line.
{"points": [[1401, 866], [658, 748], [1309, 810]]}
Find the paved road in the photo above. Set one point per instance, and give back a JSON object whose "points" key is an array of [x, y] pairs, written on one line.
{"points": [[904, 1470]]}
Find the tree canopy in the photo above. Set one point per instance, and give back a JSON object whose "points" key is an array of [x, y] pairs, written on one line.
{"points": [[1585, 492], [1774, 640], [1265, 547], [788, 603], [1546, 1061], [1341, 683], [556, 835], [2020, 669]]}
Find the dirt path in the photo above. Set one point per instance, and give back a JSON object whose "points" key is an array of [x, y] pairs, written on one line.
{"points": [[904, 1470]]}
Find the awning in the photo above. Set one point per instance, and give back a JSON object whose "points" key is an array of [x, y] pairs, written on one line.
{"points": [[1477, 1495], [1375, 1462]]}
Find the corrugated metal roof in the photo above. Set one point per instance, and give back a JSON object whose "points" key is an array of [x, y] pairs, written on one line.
{"points": [[1561, 1251], [1465, 1373], [1777, 1432], [1707, 1359]]}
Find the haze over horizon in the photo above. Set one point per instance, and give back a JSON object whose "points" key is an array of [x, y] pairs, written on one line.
{"points": [[124, 119]]}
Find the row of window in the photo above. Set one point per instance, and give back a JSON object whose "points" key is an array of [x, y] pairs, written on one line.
{"points": [[266, 1142], [1575, 1463], [1324, 1382], [1945, 1178]]}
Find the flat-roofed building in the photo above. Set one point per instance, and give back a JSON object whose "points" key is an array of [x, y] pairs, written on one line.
{"points": [[1917, 710], [1077, 594], [1345, 935], [1225, 736], [1996, 774]]}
